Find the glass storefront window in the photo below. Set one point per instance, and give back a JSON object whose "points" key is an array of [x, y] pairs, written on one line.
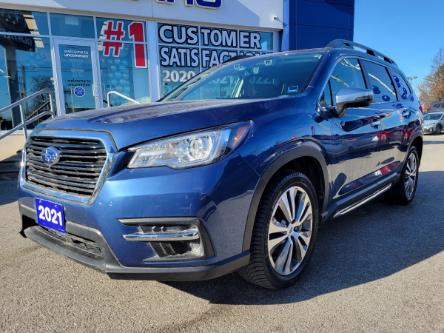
{"points": [[24, 22], [256, 41], [25, 67], [267, 41], [120, 30], [119, 73], [174, 70], [72, 25], [76, 66], [123, 60]]}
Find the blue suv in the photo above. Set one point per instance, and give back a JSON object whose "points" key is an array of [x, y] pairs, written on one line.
{"points": [[235, 170]]}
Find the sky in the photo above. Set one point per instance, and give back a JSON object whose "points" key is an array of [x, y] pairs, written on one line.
{"points": [[411, 32]]}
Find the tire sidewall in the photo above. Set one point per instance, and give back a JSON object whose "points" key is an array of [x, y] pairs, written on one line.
{"points": [[300, 180], [412, 150]]}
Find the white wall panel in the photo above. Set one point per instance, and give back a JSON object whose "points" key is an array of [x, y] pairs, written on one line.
{"points": [[248, 13]]}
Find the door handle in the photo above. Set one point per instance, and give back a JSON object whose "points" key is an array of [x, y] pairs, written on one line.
{"points": [[376, 123], [406, 113]]}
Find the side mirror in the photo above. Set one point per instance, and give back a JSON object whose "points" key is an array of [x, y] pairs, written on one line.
{"points": [[352, 97]]}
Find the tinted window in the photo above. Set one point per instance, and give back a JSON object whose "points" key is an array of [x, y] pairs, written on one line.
{"points": [[347, 74], [380, 83], [404, 89], [263, 77]]}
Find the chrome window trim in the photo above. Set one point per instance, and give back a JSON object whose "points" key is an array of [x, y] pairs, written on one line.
{"points": [[110, 148]]}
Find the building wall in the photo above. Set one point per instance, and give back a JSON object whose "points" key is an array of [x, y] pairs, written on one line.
{"points": [[247, 13], [314, 23]]}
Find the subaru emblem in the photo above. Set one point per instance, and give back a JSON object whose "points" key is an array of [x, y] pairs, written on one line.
{"points": [[50, 155]]}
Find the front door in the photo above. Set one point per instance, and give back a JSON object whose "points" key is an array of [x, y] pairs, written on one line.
{"points": [[77, 75], [355, 148]]}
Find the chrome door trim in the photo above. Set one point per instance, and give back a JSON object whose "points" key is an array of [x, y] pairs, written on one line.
{"points": [[358, 204]]}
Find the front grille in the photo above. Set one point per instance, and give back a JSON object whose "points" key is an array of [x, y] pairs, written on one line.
{"points": [[77, 171]]}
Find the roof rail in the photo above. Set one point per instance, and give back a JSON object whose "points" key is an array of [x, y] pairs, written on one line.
{"points": [[343, 43]]}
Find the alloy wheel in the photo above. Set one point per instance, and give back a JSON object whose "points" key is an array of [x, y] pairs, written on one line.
{"points": [[290, 230], [410, 175]]}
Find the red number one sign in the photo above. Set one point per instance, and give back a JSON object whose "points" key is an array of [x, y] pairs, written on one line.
{"points": [[137, 33]]}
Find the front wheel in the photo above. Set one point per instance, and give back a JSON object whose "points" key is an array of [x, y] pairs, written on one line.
{"points": [[438, 129], [404, 191], [284, 233]]}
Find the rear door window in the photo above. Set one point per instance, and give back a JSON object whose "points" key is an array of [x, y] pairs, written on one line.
{"points": [[380, 83], [347, 74]]}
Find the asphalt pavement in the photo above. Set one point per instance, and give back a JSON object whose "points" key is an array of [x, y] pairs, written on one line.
{"points": [[379, 269]]}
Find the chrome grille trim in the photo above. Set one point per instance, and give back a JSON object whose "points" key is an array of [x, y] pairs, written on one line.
{"points": [[77, 174]]}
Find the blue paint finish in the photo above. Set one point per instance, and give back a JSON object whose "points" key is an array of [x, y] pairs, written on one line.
{"points": [[352, 154], [311, 24]]}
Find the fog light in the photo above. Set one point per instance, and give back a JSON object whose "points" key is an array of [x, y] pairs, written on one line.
{"points": [[171, 242]]}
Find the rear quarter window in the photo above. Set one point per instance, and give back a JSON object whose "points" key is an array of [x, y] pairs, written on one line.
{"points": [[405, 92]]}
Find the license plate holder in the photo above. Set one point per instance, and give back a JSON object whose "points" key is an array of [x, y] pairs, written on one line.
{"points": [[50, 215]]}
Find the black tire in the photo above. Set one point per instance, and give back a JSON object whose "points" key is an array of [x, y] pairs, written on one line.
{"points": [[438, 129], [260, 270], [398, 194]]}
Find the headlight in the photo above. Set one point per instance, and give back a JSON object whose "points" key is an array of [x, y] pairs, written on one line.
{"points": [[188, 150]]}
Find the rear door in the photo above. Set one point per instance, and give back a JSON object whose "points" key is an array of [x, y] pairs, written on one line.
{"points": [[385, 102], [354, 149], [407, 108]]}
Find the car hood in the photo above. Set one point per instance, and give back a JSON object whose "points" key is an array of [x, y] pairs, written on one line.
{"points": [[131, 125], [430, 122]]}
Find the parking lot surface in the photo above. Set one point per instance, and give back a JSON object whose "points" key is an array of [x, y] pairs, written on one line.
{"points": [[381, 269]]}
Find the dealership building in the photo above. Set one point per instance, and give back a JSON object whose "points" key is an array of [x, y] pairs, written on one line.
{"points": [[102, 53]]}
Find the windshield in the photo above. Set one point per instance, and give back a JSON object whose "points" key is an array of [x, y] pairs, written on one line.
{"points": [[261, 77], [434, 116]]}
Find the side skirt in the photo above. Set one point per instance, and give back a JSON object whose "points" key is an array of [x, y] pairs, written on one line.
{"points": [[358, 204], [360, 198]]}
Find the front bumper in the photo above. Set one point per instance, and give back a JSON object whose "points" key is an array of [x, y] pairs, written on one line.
{"points": [[99, 256], [218, 196]]}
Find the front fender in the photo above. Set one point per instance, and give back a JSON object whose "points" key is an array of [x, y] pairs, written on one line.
{"points": [[298, 150]]}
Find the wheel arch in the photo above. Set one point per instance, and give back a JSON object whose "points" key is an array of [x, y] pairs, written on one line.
{"points": [[308, 158], [418, 143]]}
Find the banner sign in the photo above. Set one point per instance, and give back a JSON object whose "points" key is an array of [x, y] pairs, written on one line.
{"points": [[186, 50], [113, 32]]}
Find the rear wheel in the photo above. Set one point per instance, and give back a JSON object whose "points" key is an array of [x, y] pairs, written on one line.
{"points": [[404, 191], [284, 234]]}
